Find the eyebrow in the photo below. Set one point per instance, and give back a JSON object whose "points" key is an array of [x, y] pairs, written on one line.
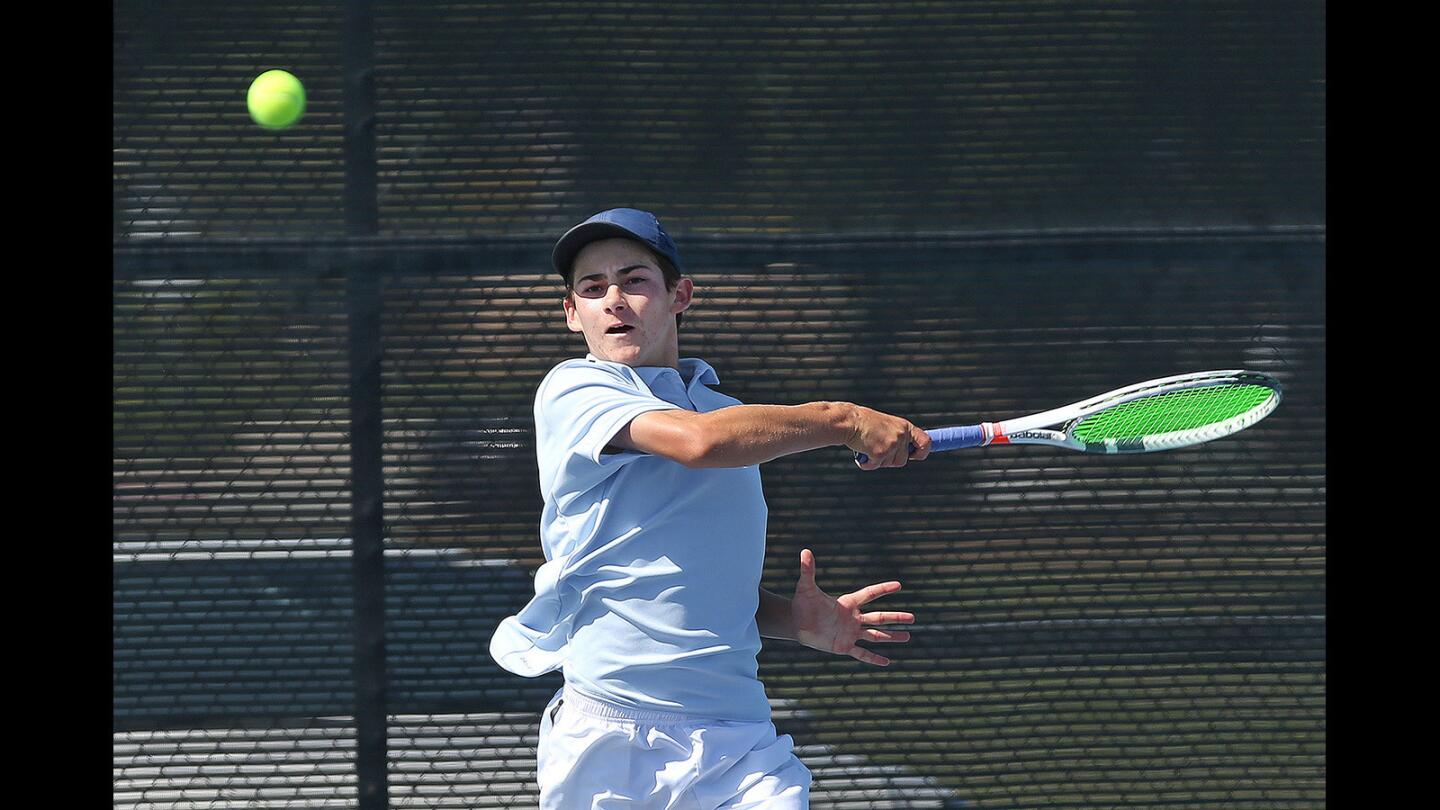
{"points": [[617, 272]]}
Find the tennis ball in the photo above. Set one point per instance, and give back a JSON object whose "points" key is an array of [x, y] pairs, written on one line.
{"points": [[276, 99]]}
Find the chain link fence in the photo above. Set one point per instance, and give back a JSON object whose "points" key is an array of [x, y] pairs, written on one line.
{"points": [[950, 212]]}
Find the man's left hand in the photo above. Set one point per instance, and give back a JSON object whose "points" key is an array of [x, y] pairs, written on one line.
{"points": [[834, 624]]}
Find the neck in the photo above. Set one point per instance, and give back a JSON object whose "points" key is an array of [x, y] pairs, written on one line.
{"points": [[670, 359], [667, 357]]}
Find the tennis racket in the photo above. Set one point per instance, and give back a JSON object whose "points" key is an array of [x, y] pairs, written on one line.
{"points": [[1163, 414]]}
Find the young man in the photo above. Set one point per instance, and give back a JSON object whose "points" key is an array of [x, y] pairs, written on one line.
{"points": [[654, 533]]}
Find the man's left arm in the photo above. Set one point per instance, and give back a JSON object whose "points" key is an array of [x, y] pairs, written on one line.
{"points": [[831, 624]]}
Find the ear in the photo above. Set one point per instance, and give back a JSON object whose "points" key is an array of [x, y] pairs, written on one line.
{"points": [[684, 294], [572, 317]]}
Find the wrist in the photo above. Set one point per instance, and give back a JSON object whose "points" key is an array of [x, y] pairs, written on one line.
{"points": [[774, 616], [787, 626], [846, 421]]}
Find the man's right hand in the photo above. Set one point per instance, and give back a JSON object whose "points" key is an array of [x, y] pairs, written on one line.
{"points": [[886, 439]]}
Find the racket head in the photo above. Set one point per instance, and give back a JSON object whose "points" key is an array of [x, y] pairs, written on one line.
{"points": [[1174, 412]]}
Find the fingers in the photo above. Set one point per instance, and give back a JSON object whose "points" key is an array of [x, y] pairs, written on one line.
{"points": [[872, 592], [899, 455], [807, 566], [895, 636], [889, 617], [863, 655], [921, 442]]}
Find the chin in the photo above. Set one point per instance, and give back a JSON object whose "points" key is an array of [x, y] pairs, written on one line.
{"points": [[625, 352], [626, 355]]}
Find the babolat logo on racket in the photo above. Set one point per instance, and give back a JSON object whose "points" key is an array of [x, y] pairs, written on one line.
{"points": [[1164, 414], [1031, 434]]}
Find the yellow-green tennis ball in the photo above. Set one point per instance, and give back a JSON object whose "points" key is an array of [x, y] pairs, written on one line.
{"points": [[276, 99]]}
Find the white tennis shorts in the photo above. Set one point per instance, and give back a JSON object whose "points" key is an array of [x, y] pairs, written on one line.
{"points": [[597, 756]]}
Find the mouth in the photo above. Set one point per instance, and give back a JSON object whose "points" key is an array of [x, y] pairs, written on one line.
{"points": [[619, 329]]}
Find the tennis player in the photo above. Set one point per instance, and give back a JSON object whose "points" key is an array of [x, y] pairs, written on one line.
{"points": [[653, 529]]}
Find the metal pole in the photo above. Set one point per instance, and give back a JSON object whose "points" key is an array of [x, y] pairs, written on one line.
{"points": [[366, 427]]}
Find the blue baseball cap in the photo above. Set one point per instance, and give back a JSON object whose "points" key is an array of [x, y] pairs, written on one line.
{"points": [[626, 223]]}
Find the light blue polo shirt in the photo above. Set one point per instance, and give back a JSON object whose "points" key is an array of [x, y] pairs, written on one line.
{"points": [[652, 579]]}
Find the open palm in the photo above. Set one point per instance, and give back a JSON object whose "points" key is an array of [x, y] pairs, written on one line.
{"points": [[835, 624]]}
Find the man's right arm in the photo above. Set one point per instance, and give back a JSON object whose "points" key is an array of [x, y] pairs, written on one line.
{"points": [[742, 435]]}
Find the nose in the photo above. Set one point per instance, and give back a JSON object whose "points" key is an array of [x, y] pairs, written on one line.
{"points": [[613, 299]]}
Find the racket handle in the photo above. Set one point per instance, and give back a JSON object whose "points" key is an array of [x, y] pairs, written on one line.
{"points": [[956, 438], [942, 439]]}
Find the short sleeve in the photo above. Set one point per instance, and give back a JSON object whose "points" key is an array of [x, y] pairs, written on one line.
{"points": [[578, 409]]}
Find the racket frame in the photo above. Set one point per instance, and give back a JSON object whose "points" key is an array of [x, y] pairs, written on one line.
{"points": [[1039, 428]]}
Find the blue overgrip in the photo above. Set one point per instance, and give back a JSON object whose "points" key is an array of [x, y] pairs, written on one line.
{"points": [[942, 439], [956, 438]]}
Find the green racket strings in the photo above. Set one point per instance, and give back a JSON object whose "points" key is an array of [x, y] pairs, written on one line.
{"points": [[1173, 411]]}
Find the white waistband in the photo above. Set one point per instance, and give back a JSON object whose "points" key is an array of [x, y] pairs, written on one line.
{"points": [[595, 707]]}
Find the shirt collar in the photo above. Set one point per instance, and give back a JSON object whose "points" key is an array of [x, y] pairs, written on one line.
{"points": [[693, 371]]}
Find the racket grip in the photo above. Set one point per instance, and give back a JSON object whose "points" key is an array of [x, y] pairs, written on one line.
{"points": [[956, 438], [942, 439]]}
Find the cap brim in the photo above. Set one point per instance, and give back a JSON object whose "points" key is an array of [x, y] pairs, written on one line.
{"points": [[575, 239]]}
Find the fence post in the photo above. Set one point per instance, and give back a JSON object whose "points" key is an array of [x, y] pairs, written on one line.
{"points": [[366, 427]]}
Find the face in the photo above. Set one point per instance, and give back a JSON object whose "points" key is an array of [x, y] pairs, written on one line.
{"points": [[622, 307]]}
